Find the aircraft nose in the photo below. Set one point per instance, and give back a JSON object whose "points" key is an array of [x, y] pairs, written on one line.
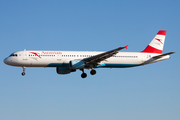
{"points": [[11, 61], [7, 61]]}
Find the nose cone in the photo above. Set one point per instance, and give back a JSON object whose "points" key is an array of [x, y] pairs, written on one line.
{"points": [[7, 61], [10, 61]]}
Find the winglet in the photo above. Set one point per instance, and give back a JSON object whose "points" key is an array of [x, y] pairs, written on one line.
{"points": [[126, 46]]}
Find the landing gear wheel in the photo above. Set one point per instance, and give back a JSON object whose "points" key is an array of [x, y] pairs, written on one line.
{"points": [[23, 73], [93, 72], [83, 75]]}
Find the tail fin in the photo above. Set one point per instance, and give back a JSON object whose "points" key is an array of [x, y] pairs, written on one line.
{"points": [[157, 44]]}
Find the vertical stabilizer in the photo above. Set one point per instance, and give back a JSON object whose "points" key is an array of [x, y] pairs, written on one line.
{"points": [[157, 44]]}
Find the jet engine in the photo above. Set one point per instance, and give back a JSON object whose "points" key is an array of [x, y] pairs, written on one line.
{"points": [[63, 70], [76, 64]]}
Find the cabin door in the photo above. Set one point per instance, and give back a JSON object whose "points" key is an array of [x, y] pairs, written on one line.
{"points": [[59, 57], [25, 55]]}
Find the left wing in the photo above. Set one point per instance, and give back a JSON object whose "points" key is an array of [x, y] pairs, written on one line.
{"points": [[100, 57]]}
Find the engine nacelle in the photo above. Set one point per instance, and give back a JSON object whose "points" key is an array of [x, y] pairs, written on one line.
{"points": [[63, 70], [76, 64]]}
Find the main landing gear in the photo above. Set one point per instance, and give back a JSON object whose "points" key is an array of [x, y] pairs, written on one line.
{"points": [[84, 75], [23, 73], [93, 72]]}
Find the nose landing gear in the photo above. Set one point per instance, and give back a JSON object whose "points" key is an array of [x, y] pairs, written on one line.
{"points": [[23, 73]]}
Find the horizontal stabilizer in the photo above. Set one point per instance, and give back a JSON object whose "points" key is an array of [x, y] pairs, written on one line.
{"points": [[159, 56]]}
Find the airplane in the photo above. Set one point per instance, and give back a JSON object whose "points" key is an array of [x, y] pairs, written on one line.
{"points": [[66, 62]]}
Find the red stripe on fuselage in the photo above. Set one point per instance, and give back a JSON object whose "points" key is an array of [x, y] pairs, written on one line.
{"points": [[35, 54], [150, 49]]}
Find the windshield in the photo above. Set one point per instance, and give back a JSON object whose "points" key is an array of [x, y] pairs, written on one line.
{"points": [[13, 55]]}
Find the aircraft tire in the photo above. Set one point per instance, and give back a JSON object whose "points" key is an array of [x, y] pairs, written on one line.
{"points": [[93, 72], [23, 73], [83, 75]]}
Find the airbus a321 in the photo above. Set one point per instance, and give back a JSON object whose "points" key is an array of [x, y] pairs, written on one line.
{"points": [[66, 62]]}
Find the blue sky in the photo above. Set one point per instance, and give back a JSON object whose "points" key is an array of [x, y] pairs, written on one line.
{"points": [[147, 92]]}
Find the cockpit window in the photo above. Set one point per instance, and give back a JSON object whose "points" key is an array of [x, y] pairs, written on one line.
{"points": [[13, 55]]}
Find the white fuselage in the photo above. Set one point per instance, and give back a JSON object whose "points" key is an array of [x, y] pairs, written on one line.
{"points": [[62, 59]]}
